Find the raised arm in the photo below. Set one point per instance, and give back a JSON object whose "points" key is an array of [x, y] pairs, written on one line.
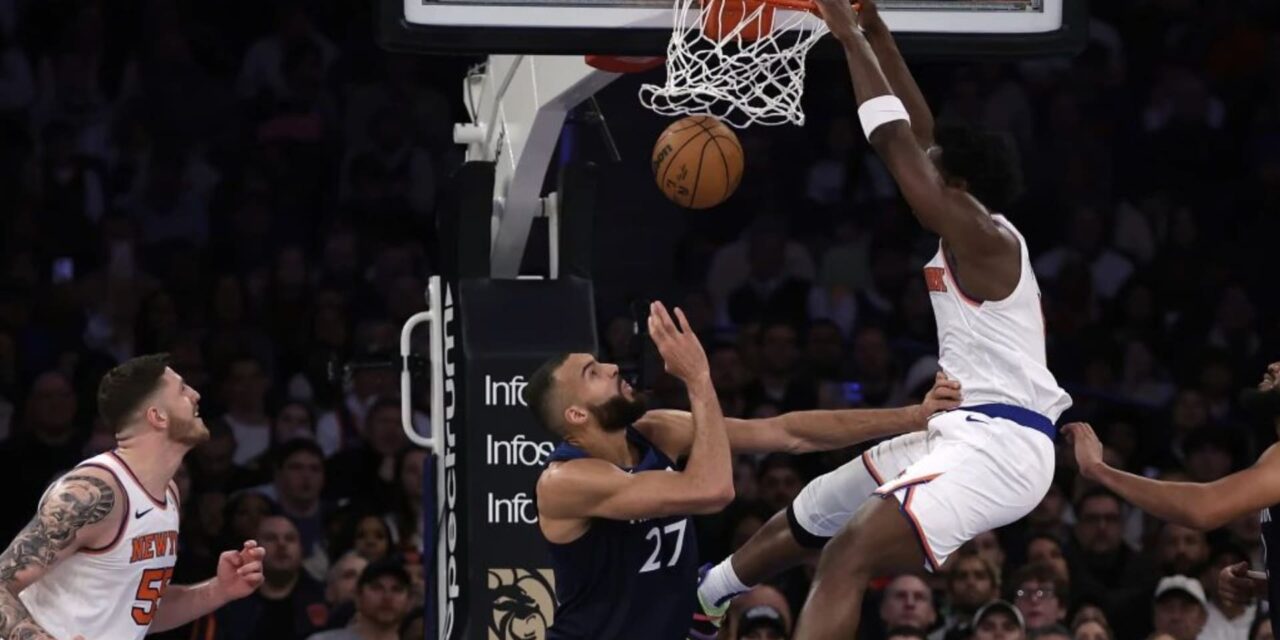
{"points": [[805, 431], [80, 510], [895, 69], [589, 488], [1204, 506], [944, 209]]}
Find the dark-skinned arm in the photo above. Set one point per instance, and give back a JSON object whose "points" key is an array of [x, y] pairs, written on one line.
{"points": [[950, 212], [896, 70], [1203, 506]]}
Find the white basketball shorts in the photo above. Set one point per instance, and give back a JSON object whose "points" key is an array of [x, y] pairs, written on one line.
{"points": [[975, 469]]}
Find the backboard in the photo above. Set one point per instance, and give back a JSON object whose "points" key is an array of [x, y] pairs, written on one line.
{"points": [[950, 28]]}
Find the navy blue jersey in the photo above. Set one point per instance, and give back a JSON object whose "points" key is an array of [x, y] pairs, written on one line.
{"points": [[1271, 556], [624, 580]]}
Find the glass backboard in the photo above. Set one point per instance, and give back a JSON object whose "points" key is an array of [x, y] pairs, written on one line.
{"points": [[967, 28]]}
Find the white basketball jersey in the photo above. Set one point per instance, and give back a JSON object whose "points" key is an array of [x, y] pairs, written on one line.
{"points": [[995, 349], [113, 591]]}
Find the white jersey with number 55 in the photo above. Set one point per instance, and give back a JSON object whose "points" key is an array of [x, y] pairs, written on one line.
{"points": [[112, 591]]}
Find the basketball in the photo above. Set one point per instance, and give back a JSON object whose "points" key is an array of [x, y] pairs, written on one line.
{"points": [[697, 162]]}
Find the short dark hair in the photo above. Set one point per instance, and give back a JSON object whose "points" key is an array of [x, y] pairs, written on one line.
{"points": [[986, 160], [391, 566], [294, 447], [1039, 572], [124, 387], [964, 554], [906, 632], [1097, 492], [538, 394]]}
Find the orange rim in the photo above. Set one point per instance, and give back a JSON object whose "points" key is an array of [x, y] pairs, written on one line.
{"points": [[799, 5], [625, 64]]}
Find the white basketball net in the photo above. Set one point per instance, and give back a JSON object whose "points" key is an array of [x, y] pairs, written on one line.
{"points": [[738, 80]]}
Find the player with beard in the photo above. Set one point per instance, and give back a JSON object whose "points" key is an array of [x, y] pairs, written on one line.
{"points": [[614, 505], [96, 559]]}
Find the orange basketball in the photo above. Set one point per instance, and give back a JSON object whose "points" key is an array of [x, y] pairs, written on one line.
{"points": [[697, 162]]}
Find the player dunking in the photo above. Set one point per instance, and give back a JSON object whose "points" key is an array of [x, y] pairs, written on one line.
{"points": [[96, 559], [975, 469], [612, 502]]}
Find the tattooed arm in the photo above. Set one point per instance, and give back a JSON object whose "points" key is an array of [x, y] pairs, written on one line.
{"points": [[78, 511]]}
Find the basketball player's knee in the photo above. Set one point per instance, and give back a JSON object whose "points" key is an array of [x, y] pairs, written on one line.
{"points": [[850, 550]]}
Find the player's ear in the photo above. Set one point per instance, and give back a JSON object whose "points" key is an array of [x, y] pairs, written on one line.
{"points": [[576, 415], [156, 416]]}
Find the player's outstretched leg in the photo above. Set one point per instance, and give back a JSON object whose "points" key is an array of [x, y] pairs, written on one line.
{"points": [[772, 550], [878, 539]]}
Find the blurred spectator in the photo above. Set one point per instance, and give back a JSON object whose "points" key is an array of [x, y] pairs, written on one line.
{"points": [[1047, 550], [1180, 607], [293, 419], [763, 252], [762, 622], [1103, 566], [47, 443], [244, 389], [368, 536], [289, 604], [766, 602], [297, 486], [1224, 621], [263, 69], [244, 513], [780, 481], [730, 377], [971, 582], [406, 518], [340, 584], [779, 381], [999, 620], [367, 469], [907, 602], [987, 544], [1041, 595], [1181, 551], [1084, 245], [382, 604], [1091, 630]]}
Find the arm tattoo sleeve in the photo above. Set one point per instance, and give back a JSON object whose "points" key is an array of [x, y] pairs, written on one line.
{"points": [[77, 501]]}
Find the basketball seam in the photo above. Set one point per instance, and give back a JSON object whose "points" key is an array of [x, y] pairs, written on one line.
{"points": [[676, 152], [728, 188], [697, 178]]}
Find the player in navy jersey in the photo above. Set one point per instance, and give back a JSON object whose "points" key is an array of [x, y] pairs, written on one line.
{"points": [[613, 502], [1206, 506]]}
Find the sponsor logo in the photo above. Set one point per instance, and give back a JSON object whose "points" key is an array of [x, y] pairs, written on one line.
{"points": [[518, 509], [517, 452], [504, 393], [523, 602], [452, 591]]}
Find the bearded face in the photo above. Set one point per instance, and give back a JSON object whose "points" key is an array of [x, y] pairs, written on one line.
{"points": [[618, 413]]}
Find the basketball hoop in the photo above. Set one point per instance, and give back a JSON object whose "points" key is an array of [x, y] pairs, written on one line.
{"points": [[741, 61]]}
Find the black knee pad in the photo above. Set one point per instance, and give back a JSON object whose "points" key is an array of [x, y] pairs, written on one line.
{"points": [[802, 536]]}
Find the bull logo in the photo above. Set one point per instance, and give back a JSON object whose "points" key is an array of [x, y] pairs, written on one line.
{"points": [[523, 603]]}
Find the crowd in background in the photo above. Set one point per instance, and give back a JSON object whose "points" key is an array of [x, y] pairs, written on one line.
{"points": [[253, 190]]}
